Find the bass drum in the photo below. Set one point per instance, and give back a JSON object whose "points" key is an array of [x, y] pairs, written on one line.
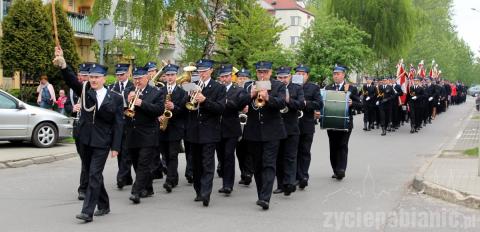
{"points": [[334, 114]]}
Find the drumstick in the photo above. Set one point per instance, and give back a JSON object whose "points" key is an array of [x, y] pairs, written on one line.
{"points": [[55, 31]]}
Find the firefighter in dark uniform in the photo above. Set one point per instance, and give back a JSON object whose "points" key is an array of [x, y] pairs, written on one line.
{"points": [[385, 97], [306, 124], [415, 98], [143, 132], [203, 129], [265, 129], [245, 160], [338, 140], [173, 130], [100, 131], [396, 106], [157, 166], [231, 130], [369, 99], [432, 95], [82, 76], [288, 150], [123, 87]]}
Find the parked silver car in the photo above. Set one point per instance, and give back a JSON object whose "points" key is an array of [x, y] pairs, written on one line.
{"points": [[22, 122], [474, 90]]}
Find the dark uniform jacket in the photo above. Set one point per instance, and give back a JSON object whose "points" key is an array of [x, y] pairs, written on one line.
{"points": [[176, 124], [266, 123], [385, 95], [419, 92], [101, 128], [356, 103], [237, 99], [370, 93], [203, 125], [143, 129], [313, 103], [127, 89], [295, 104]]}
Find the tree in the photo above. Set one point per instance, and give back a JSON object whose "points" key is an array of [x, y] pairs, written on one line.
{"points": [[390, 23], [27, 43], [249, 35], [331, 41]]}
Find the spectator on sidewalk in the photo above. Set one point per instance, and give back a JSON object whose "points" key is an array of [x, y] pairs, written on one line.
{"points": [[62, 99], [477, 101], [46, 94]]}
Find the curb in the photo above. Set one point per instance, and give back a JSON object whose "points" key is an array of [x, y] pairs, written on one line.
{"points": [[36, 160], [442, 192]]}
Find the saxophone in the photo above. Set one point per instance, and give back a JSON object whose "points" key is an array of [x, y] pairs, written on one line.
{"points": [[167, 114]]}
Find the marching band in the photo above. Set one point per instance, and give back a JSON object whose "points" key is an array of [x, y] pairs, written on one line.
{"points": [[269, 123]]}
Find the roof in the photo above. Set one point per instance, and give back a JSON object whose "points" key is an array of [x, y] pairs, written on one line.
{"points": [[286, 5]]}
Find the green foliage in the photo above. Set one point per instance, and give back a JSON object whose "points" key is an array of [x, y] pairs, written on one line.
{"points": [[27, 42], [471, 152], [437, 39], [250, 35], [391, 24], [329, 41]]}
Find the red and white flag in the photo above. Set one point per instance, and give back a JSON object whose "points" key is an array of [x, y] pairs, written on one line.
{"points": [[421, 69], [402, 80]]}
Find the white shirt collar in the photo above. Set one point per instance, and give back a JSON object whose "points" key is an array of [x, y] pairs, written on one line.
{"points": [[101, 93], [207, 81], [340, 85], [228, 86]]}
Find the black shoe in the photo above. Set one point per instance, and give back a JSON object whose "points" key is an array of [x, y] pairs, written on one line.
{"points": [[242, 181], [303, 183], [340, 175], [81, 196], [120, 184], [146, 193], [412, 131], [85, 217], [198, 198], [101, 212], [384, 132], [227, 190], [278, 191], [222, 190], [248, 179], [264, 204], [168, 187], [189, 179], [206, 201], [135, 198], [289, 189]]}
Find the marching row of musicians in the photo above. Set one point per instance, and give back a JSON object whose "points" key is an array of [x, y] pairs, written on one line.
{"points": [[425, 98], [137, 122]]}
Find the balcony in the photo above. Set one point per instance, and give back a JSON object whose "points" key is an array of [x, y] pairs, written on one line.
{"points": [[80, 24]]}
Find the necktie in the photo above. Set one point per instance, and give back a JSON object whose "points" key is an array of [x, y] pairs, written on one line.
{"points": [[121, 87], [337, 87]]}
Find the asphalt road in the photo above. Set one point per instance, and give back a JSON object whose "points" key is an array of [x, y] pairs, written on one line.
{"points": [[374, 196]]}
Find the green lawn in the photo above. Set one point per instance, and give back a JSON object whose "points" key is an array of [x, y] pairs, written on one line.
{"points": [[68, 140], [471, 152]]}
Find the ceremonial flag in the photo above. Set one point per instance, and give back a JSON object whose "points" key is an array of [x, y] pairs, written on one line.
{"points": [[401, 80], [421, 69]]}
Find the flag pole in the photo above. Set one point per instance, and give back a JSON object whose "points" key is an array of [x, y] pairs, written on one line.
{"points": [[55, 30]]}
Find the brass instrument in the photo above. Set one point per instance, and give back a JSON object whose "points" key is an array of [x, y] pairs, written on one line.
{"points": [[379, 93], [155, 80], [130, 111], [193, 104], [243, 118], [186, 76], [285, 110], [167, 114]]}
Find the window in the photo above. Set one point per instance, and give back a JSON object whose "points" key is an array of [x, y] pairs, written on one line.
{"points": [[295, 20], [70, 3], [7, 103], [6, 6], [294, 40]]}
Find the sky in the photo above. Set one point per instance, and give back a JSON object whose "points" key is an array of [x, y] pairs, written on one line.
{"points": [[467, 22]]}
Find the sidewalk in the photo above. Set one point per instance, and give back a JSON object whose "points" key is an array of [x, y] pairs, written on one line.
{"points": [[15, 156], [451, 175]]}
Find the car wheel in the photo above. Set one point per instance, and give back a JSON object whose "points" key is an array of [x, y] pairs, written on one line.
{"points": [[45, 135]]}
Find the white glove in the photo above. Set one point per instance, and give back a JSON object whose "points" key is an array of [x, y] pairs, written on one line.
{"points": [[414, 97], [430, 98], [368, 98], [377, 103], [60, 62]]}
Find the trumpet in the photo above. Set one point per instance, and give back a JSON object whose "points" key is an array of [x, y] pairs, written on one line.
{"points": [[243, 118], [193, 104], [167, 114], [259, 101], [130, 111]]}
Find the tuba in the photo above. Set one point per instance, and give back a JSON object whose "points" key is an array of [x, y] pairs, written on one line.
{"points": [[167, 114], [186, 76], [193, 104], [130, 111], [156, 79]]}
